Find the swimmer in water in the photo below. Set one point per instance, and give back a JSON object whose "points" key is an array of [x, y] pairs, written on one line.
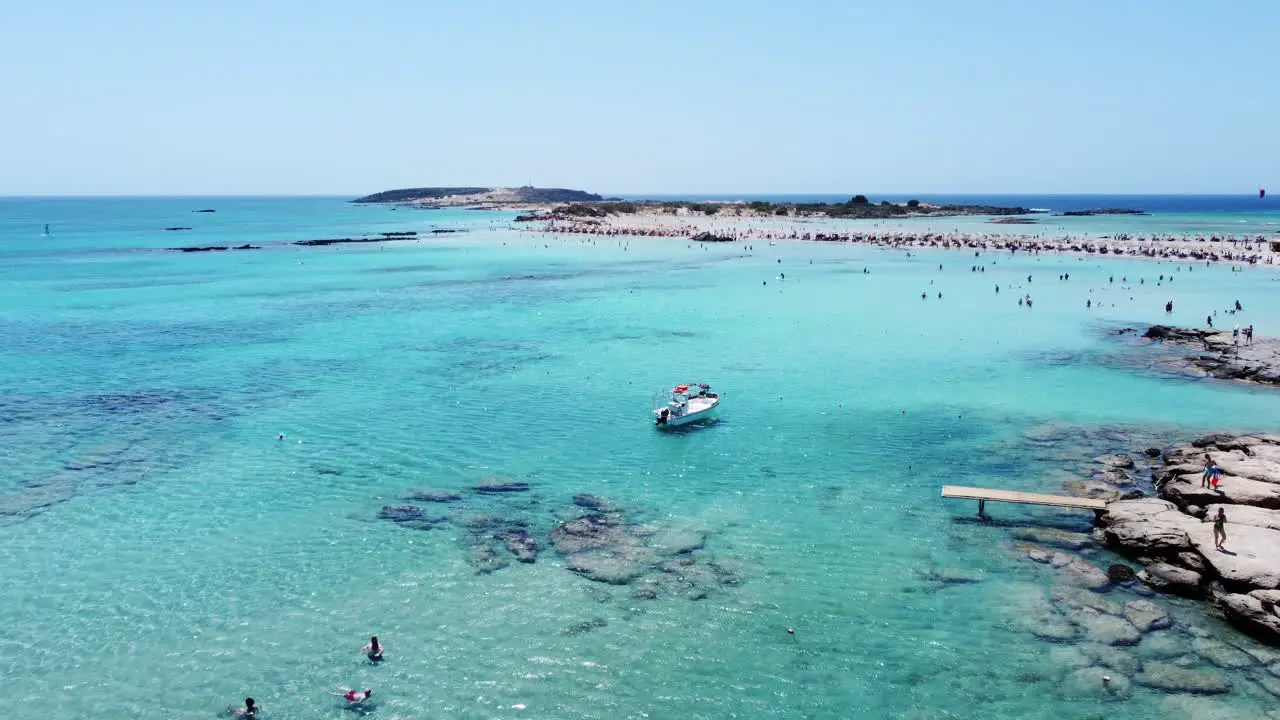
{"points": [[373, 650], [250, 710], [355, 697]]}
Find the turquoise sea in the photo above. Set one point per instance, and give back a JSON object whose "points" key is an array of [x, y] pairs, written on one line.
{"points": [[164, 555]]}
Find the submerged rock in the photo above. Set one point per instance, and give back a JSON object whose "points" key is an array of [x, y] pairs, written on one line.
{"points": [[1105, 629], [1222, 654], [1069, 657], [590, 532], [401, 513], [521, 545], [587, 626], [1067, 597], [1092, 489], [498, 486], [1112, 657], [676, 541], [595, 502], [1082, 573], [1095, 682], [616, 567], [486, 558], [1123, 462], [1053, 537], [433, 495], [951, 576], [1163, 645], [1146, 615], [1172, 678]]}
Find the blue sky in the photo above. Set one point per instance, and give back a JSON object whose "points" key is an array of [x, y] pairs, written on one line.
{"points": [[344, 97]]}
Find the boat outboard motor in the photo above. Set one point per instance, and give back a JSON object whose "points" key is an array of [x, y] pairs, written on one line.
{"points": [[662, 416]]}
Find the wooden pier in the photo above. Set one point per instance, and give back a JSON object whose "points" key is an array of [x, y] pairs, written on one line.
{"points": [[982, 495]]}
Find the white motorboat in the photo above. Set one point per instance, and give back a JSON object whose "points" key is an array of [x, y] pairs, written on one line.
{"points": [[685, 404]]}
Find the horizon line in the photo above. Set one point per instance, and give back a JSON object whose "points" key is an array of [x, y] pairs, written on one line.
{"points": [[122, 196]]}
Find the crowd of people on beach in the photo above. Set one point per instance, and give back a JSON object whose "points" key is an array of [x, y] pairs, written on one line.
{"points": [[373, 652], [1246, 250]]}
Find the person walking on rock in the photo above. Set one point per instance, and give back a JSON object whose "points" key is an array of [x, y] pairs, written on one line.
{"points": [[1220, 529], [1208, 471]]}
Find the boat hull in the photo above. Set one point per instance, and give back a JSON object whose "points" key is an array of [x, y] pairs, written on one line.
{"points": [[689, 418]]}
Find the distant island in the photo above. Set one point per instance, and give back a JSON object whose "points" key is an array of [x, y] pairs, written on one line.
{"points": [[1103, 211], [856, 208], [479, 197], [564, 204]]}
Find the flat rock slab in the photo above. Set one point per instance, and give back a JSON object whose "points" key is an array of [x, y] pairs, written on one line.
{"points": [[1245, 515], [1148, 526], [498, 486], [433, 495], [677, 541], [1105, 629], [1096, 682], [1168, 578], [1163, 646], [1222, 654], [1068, 597], [1146, 615], [1186, 490], [1114, 658], [1054, 537], [1123, 462], [1250, 558], [1083, 574], [1172, 678], [616, 567]]}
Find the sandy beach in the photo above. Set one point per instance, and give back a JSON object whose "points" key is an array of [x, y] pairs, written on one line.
{"points": [[1236, 250]]}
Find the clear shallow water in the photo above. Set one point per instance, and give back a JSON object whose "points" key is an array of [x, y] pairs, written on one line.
{"points": [[164, 555]]}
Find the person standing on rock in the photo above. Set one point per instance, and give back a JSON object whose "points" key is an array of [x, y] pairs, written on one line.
{"points": [[1220, 528], [1208, 471]]}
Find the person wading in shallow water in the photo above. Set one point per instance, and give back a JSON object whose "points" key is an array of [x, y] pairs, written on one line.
{"points": [[373, 650], [1220, 529], [250, 710]]}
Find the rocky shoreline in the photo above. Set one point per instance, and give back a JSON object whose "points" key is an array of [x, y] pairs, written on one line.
{"points": [[1172, 537], [1223, 356]]}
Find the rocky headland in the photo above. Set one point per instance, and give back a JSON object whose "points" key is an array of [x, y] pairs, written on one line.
{"points": [[1116, 627], [1103, 211], [479, 197], [1222, 355], [856, 208], [1172, 535]]}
